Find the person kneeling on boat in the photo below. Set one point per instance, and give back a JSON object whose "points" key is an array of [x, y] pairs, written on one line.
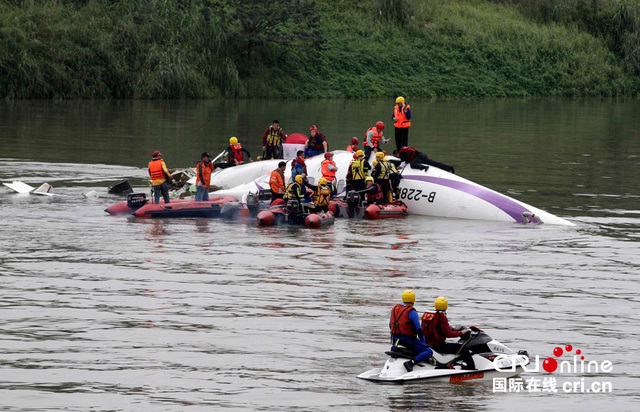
{"points": [[406, 331], [373, 191], [323, 195], [436, 330], [419, 160], [235, 152], [204, 168]]}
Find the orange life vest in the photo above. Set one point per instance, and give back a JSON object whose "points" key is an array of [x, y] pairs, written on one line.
{"points": [[236, 151], [402, 121], [375, 139], [156, 171], [400, 324], [326, 173], [352, 148], [203, 173]]}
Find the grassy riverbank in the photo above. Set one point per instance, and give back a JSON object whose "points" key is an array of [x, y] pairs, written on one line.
{"points": [[339, 48]]}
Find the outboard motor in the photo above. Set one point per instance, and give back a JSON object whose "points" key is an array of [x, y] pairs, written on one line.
{"points": [[136, 200], [253, 203], [353, 200]]}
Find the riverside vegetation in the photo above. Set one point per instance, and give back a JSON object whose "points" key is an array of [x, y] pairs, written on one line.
{"points": [[157, 49]]}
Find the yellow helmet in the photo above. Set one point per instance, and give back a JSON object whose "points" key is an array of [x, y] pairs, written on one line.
{"points": [[368, 179], [322, 181], [408, 296], [359, 153], [299, 179], [233, 140], [400, 99], [441, 303], [380, 155]]}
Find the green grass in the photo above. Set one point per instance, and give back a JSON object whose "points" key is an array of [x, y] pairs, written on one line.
{"points": [[159, 49]]}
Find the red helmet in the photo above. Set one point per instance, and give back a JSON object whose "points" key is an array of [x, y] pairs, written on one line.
{"points": [[354, 140], [380, 125], [328, 155]]}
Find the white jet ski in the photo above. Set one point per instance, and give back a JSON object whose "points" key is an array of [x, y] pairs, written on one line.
{"points": [[449, 368]]}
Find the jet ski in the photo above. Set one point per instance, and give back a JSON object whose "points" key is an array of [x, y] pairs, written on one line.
{"points": [[450, 368]]}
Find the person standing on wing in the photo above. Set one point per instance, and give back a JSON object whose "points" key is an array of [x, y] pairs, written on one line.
{"points": [[436, 330], [272, 139], [402, 122], [406, 330], [374, 136]]}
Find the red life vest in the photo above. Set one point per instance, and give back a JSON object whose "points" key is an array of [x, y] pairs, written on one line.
{"points": [[407, 154], [326, 173], [375, 139], [155, 170], [402, 121], [433, 332], [373, 197], [236, 151], [400, 324]]}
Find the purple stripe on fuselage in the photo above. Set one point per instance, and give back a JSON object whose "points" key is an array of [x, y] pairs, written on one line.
{"points": [[507, 205]]}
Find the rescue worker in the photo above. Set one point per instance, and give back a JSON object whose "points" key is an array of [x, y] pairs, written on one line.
{"points": [[159, 176], [298, 166], [358, 170], [276, 182], [394, 178], [381, 174], [317, 143], [295, 190], [406, 331], [235, 152], [373, 138], [402, 122], [272, 139], [323, 196], [419, 160], [436, 329], [329, 169], [204, 168], [353, 147], [373, 191]]}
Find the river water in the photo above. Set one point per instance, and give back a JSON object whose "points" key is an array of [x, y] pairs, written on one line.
{"points": [[113, 313]]}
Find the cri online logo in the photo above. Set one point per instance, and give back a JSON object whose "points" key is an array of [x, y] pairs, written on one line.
{"points": [[550, 364]]}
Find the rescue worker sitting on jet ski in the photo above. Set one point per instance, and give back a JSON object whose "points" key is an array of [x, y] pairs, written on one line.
{"points": [[373, 191], [406, 331], [436, 329], [419, 160]]}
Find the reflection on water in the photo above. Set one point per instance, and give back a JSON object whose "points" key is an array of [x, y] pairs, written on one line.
{"points": [[118, 313]]}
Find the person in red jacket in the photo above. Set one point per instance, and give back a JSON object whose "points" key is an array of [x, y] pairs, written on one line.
{"points": [[436, 329], [204, 168], [276, 182]]}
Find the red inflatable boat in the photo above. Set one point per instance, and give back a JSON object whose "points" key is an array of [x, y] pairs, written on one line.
{"points": [[137, 201], [211, 208], [386, 211], [277, 215]]}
